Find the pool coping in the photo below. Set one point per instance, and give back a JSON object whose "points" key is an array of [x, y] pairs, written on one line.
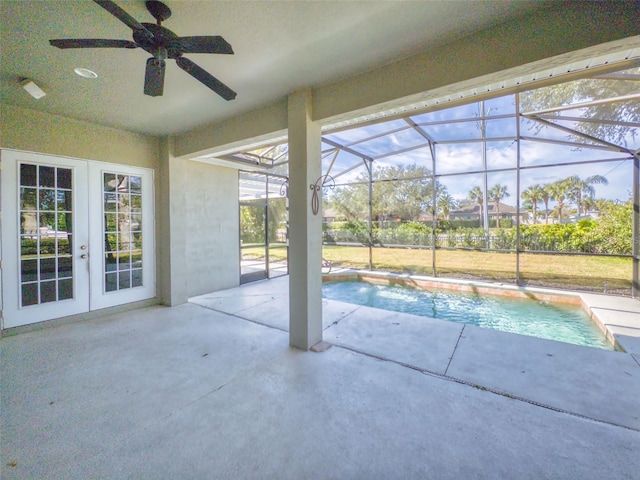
{"points": [[617, 317]]}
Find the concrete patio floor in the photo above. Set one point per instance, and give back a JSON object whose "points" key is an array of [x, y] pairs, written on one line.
{"points": [[211, 389]]}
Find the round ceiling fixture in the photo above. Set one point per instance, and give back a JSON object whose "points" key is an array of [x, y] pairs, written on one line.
{"points": [[85, 72]]}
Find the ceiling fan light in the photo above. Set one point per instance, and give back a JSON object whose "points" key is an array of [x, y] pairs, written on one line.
{"points": [[34, 90], [85, 72]]}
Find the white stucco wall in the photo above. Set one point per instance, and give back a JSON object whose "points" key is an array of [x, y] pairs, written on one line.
{"points": [[40, 132], [212, 233]]}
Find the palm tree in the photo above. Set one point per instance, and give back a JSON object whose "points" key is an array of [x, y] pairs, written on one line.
{"points": [[497, 193], [534, 194], [587, 204], [476, 195], [574, 190], [580, 187], [545, 196], [559, 191], [446, 203]]}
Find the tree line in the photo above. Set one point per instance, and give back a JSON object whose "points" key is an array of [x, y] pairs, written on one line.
{"points": [[406, 192], [571, 190]]}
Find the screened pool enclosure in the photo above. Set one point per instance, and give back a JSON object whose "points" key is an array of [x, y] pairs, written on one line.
{"points": [[538, 187]]}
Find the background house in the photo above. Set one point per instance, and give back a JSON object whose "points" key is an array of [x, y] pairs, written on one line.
{"points": [[474, 212]]}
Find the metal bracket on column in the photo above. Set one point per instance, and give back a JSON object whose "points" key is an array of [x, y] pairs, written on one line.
{"points": [[322, 181], [284, 188]]}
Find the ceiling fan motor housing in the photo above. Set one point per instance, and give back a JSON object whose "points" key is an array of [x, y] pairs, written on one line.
{"points": [[163, 40]]}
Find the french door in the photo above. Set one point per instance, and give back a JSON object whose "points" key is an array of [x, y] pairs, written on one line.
{"points": [[76, 236]]}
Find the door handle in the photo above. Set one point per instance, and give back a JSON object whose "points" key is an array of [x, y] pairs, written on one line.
{"points": [[84, 255]]}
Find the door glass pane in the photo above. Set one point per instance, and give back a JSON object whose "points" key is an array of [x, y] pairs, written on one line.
{"points": [[137, 240], [29, 271], [253, 265], [65, 289], [111, 282], [47, 199], [46, 176], [136, 259], [124, 279], [109, 182], [136, 278], [28, 198], [64, 178], [48, 292], [122, 213], [46, 264], [263, 226], [29, 294], [135, 184], [64, 200], [65, 269], [48, 268], [28, 175], [278, 236], [64, 224]]}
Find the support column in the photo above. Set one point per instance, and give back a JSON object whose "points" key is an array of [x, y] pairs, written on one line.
{"points": [[171, 227], [305, 228]]}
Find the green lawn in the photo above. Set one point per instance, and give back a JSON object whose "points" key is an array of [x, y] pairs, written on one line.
{"points": [[580, 272]]}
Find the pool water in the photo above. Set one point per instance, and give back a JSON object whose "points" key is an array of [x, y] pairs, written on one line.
{"points": [[565, 323]]}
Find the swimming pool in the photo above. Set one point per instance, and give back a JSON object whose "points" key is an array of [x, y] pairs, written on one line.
{"points": [[525, 316]]}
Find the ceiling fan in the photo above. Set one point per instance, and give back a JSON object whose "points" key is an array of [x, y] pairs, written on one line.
{"points": [[162, 43]]}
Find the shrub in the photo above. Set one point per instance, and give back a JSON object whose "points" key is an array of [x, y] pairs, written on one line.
{"points": [[504, 239], [613, 232]]}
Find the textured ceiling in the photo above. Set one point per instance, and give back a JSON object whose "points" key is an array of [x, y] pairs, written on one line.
{"points": [[279, 46]]}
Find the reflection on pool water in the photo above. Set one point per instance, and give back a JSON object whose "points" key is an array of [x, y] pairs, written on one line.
{"points": [[565, 323]]}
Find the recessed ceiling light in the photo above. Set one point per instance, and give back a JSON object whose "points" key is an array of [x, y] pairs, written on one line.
{"points": [[86, 73]]}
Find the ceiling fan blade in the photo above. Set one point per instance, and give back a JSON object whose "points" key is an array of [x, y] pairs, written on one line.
{"points": [[154, 77], [206, 44], [92, 43], [205, 77], [124, 17]]}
